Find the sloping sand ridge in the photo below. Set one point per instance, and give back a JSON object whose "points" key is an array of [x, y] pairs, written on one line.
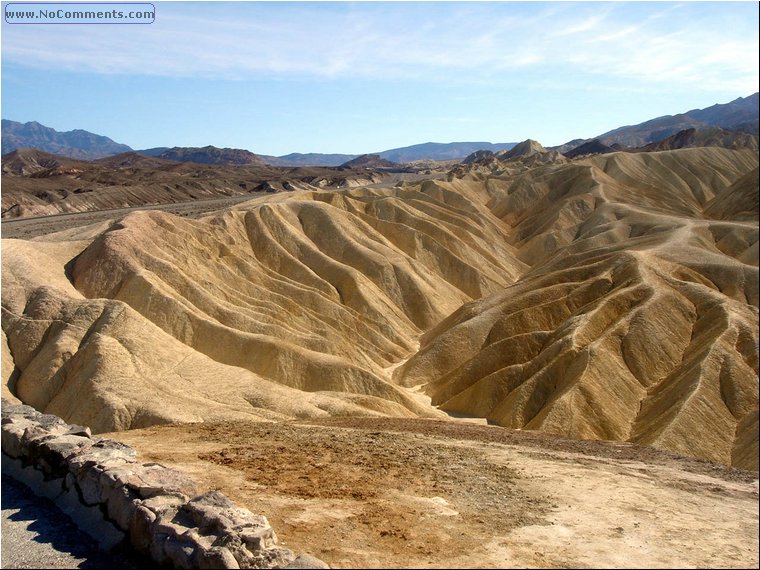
{"points": [[614, 297]]}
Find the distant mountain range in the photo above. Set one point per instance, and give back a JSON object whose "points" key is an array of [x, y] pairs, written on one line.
{"points": [[210, 155], [703, 137], [88, 146], [440, 151], [78, 144], [740, 115], [424, 151], [308, 159]]}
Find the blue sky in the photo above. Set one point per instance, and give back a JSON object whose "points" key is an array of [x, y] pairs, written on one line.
{"points": [[355, 77]]}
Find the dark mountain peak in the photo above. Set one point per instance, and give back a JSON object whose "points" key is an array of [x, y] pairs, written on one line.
{"points": [[153, 151], [369, 161], [79, 144], [211, 155], [739, 114], [740, 102], [704, 137], [594, 146]]}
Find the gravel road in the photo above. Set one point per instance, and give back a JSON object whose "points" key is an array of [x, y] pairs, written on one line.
{"points": [[27, 228]]}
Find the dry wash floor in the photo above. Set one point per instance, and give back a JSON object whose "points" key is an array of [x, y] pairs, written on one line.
{"points": [[423, 493]]}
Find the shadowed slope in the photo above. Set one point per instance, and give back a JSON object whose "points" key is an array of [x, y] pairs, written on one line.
{"points": [[631, 315], [100, 362], [739, 202], [634, 323], [319, 292]]}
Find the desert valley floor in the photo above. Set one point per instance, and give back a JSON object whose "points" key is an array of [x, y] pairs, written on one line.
{"points": [[407, 493]]}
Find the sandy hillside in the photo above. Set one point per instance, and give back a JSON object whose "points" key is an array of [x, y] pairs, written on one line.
{"points": [[612, 297]]}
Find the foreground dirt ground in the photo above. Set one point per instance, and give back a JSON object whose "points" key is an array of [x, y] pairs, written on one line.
{"points": [[389, 493]]}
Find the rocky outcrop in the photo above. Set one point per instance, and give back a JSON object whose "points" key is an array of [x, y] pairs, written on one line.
{"points": [[707, 136], [117, 499], [528, 147], [211, 155], [369, 161], [591, 147], [482, 156]]}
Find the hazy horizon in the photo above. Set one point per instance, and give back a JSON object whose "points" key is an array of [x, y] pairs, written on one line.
{"points": [[352, 78]]}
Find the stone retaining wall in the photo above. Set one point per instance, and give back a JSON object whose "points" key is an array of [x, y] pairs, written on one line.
{"points": [[118, 500]]}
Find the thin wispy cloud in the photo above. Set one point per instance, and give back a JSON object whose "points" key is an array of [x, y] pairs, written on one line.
{"points": [[652, 43], [584, 25]]}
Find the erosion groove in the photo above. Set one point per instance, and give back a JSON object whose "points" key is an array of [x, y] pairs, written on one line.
{"points": [[609, 297]]}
